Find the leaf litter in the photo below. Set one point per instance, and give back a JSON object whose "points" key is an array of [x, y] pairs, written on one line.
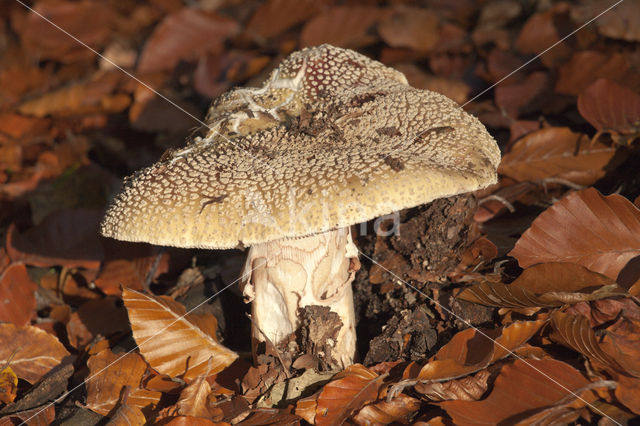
{"points": [[546, 263]]}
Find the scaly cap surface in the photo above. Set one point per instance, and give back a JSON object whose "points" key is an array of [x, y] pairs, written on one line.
{"points": [[333, 138]]}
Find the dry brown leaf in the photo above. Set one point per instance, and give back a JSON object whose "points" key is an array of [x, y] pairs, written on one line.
{"points": [[269, 20], [88, 20], [271, 416], [38, 416], [104, 317], [611, 108], [109, 374], [599, 232], [343, 26], [524, 97], [127, 415], [628, 392], [521, 388], [469, 388], [620, 22], [193, 399], [470, 351], [93, 96], [621, 341], [543, 30], [574, 332], [398, 410], [17, 295], [173, 343], [34, 351], [586, 67], [65, 238], [347, 392], [184, 35], [410, 27], [545, 285], [556, 152], [191, 421]]}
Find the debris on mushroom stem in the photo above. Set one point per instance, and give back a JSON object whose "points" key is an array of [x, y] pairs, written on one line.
{"points": [[282, 277]]}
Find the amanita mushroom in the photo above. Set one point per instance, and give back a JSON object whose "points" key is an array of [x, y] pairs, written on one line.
{"points": [[331, 139]]}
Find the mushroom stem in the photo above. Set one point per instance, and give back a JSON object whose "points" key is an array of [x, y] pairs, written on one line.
{"points": [[283, 276]]}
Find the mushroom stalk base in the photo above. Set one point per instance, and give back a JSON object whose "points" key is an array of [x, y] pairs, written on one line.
{"points": [[283, 276]]}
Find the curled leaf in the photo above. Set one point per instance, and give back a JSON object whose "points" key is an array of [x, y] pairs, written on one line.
{"points": [[172, 342]]}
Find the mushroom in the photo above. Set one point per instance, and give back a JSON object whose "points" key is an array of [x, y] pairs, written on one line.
{"points": [[331, 139]]}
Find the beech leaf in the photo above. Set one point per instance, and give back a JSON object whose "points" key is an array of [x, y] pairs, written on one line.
{"points": [[17, 295], [599, 232], [109, 374], [556, 152], [521, 387], [347, 392], [173, 343], [34, 351]]}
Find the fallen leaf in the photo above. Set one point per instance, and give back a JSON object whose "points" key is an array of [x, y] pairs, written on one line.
{"points": [[520, 389], [173, 342], [410, 27], [545, 285], [452, 88], [17, 295], [35, 352], [522, 98], [587, 66], [599, 232], [93, 96], [38, 416], [347, 392], [268, 20], [469, 388], [398, 410], [343, 26], [64, 238], [127, 415], [628, 392], [184, 35], [193, 398], [618, 22], [544, 29], [8, 384], [574, 332], [559, 153], [470, 350], [97, 317], [89, 21], [271, 416], [190, 421], [109, 373], [613, 109], [621, 340]]}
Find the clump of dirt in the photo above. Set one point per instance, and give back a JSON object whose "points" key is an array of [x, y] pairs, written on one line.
{"points": [[392, 298]]}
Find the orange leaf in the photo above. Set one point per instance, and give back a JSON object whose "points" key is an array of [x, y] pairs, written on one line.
{"points": [[585, 227], [172, 343], [127, 415], [611, 108], [269, 21], [17, 295], [410, 27], [343, 26], [556, 152], [36, 351], [400, 409], [105, 316], [193, 399], [109, 374], [521, 387], [545, 285], [184, 35], [469, 351], [347, 392]]}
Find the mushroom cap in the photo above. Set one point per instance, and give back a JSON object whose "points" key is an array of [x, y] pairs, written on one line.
{"points": [[331, 139]]}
